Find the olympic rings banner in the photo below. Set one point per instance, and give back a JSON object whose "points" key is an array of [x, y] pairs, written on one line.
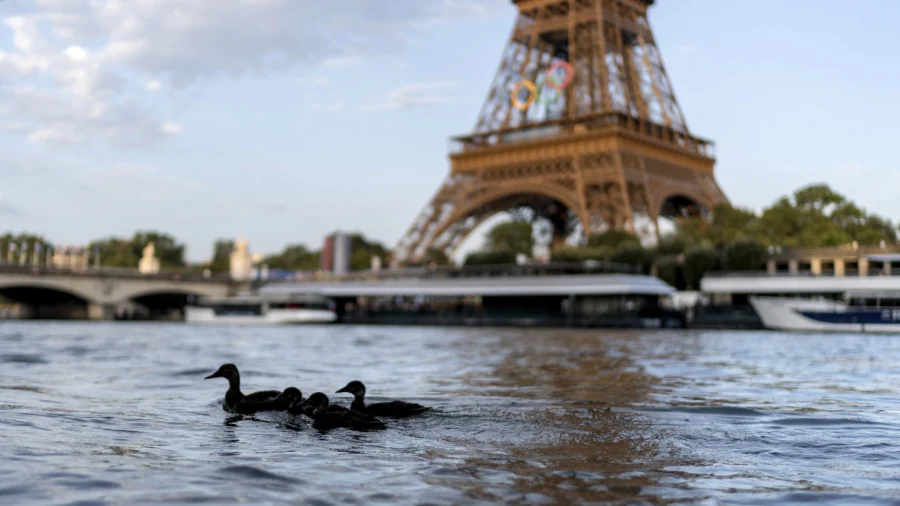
{"points": [[552, 81]]}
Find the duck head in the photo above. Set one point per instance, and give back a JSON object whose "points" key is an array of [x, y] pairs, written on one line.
{"points": [[227, 371], [316, 404], [292, 395], [354, 388]]}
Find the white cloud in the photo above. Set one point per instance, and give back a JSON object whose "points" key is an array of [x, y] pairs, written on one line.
{"points": [[171, 128], [412, 96], [76, 66]]}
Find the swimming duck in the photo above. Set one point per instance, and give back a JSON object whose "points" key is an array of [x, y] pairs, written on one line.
{"points": [[393, 409], [234, 396], [316, 407], [283, 402]]}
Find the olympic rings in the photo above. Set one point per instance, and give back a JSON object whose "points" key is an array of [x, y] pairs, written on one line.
{"points": [[532, 94], [532, 89], [570, 73]]}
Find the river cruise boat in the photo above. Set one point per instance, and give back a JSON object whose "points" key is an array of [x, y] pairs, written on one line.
{"points": [[805, 302], [270, 309], [857, 312]]}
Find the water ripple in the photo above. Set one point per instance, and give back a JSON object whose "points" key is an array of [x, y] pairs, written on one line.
{"points": [[120, 414]]}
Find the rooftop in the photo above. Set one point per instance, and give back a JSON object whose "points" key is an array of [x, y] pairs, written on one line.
{"points": [[599, 284]]}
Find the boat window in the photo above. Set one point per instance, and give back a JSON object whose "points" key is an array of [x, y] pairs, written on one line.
{"points": [[238, 309]]}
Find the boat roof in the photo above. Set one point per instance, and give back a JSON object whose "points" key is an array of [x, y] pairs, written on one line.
{"points": [[886, 257], [794, 283], [599, 284], [276, 298]]}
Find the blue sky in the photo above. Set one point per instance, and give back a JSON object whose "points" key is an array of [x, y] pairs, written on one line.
{"points": [[275, 124]]}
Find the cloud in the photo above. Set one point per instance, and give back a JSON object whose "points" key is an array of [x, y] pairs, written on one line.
{"points": [[81, 69], [171, 128], [412, 96]]}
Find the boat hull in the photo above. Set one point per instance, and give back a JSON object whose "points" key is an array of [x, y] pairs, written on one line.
{"points": [[203, 315], [781, 313]]}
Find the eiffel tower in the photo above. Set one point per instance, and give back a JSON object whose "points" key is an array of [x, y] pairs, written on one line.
{"points": [[580, 127]]}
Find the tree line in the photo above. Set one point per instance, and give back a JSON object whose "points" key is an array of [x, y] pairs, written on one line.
{"points": [[731, 239], [126, 252]]}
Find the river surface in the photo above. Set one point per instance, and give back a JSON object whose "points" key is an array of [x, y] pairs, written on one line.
{"points": [[111, 414]]}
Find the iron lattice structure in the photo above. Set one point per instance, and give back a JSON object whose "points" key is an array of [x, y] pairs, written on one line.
{"points": [[611, 145]]}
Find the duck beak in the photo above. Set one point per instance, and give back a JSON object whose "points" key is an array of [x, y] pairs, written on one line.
{"points": [[343, 390], [213, 375]]}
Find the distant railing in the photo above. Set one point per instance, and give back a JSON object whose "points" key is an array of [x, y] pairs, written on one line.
{"points": [[475, 271], [803, 274], [113, 272]]}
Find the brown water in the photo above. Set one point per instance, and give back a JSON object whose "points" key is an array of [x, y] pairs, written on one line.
{"points": [[103, 414]]}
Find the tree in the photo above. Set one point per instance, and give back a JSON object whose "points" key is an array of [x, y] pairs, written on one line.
{"points": [[362, 251], [612, 239], [295, 257], [115, 252], [669, 270], [23, 239], [575, 255], [511, 237], [221, 259], [169, 252], [490, 258], [633, 254], [697, 262], [745, 255], [673, 244], [435, 256]]}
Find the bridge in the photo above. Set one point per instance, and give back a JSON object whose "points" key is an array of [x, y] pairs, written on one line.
{"points": [[106, 293]]}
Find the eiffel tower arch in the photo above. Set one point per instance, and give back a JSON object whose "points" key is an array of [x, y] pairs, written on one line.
{"points": [[580, 125]]}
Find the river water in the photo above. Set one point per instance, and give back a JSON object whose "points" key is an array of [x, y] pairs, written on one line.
{"points": [[108, 414]]}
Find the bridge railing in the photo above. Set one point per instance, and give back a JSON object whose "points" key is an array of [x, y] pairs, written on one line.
{"points": [[117, 272]]}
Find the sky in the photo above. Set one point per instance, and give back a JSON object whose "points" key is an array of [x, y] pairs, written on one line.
{"points": [[280, 121]]}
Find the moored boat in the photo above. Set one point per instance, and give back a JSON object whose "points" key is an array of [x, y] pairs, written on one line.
{"points": [[270, 309]]}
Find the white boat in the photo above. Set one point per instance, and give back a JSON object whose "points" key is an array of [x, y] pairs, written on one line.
{"points": [[859, 312], [262, 310]]}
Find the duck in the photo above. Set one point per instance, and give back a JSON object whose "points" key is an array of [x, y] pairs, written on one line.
{"points": [[317, 408], [282, 402], [392, 409], [234, 396]]}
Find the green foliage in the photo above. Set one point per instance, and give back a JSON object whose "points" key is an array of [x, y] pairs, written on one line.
{"points": [[362, 251], [490, 258], [117, 252], [673, 244], [744, 255], [574, 255], [633, 254], [611, 239], [294, 257], [511, 237], [815, 216], [669, 270], [436, 257], [221, 260], [697, 262], [21, 239]]}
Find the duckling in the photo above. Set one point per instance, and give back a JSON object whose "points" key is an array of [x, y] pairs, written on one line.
{"points": [[393, 409], [234, 396], [316, 407], [283, 402]]}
